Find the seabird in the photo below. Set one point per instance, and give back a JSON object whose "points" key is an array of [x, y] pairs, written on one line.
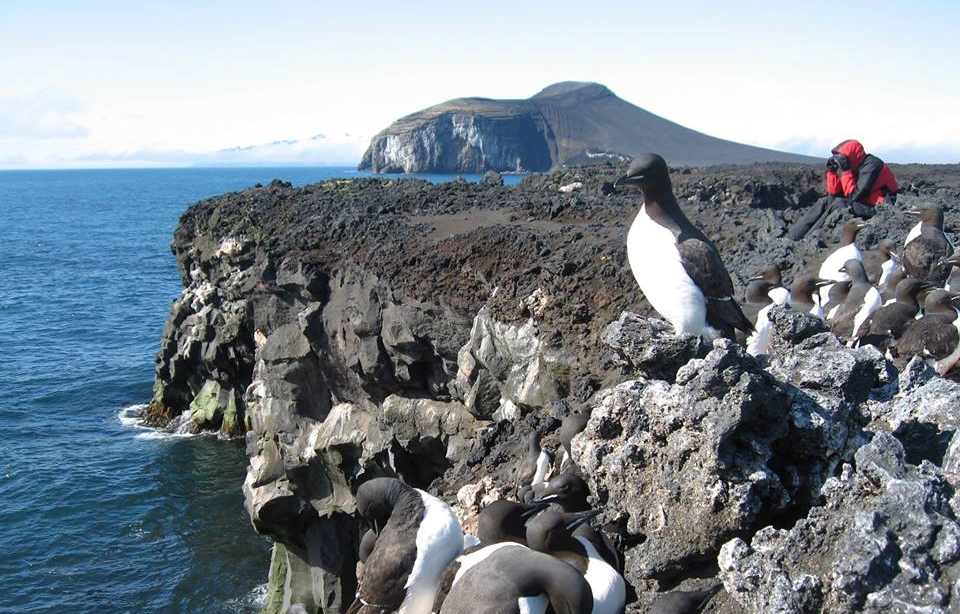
{"points": [[889, 289], [570, 492], [683, 602], [953, 280], [831, 267], [804, 295], [552, 533], [838, 293], [759, 341], [418, 535], [533, 467], [677, 267], [935, 336], [880, 261], [500, 523], [923, 255], [515, 580], [887, 324], [862, 300], [571, 426]]}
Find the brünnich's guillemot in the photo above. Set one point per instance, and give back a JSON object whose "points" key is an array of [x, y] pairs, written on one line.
{"points": [[418, 535], [862, 300], [880, 261], [887, 324], [517, 580], [759, 341], [552, 533], [936, 336], [804, 295], [924, 254], [533, 466], [677, 267], [831, 267]]}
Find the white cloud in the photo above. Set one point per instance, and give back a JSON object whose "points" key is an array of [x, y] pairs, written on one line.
{"points": [[47, 114]]}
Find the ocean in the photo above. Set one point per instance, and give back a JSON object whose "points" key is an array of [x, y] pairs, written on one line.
{"points": [[96, 512]]}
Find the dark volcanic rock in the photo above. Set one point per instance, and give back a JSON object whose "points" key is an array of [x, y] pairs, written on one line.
{"points": [[884, 540], [566, 123], [358, 328]]}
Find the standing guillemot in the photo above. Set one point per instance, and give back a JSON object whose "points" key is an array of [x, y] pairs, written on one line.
{"points": [[887, 324], [831, 267], [880, 261], [889, 290], [677, 267], [500, 523], [570, 492], [935, 336], [552, 533], [923, 255], [772, 284], [571, 426], [862, 300], [804, 295], [417, 537], [953, 265], [517, 580], [534, 465], [838, 293]]}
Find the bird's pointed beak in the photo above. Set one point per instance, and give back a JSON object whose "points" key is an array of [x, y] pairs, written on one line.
{"points": [[822, 282], [627, 180], [862, 225], [580, 518], [533, 508], [913, 212], [895, 254], [546, 499], [756, 278]]}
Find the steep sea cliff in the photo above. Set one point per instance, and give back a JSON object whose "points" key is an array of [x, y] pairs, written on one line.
{"points": [[358, 328]]}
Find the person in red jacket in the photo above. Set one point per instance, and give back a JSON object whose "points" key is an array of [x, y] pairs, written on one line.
{"points": [[856, 183]]}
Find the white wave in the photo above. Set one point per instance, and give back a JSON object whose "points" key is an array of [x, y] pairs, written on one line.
{"points": [[251, 602], [152, 434], [132, 415]]}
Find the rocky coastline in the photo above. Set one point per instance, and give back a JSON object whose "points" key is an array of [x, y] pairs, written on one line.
{"points": [[352, 329]]}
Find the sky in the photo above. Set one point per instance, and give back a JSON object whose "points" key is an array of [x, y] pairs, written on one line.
{"points": [[119, 83]]}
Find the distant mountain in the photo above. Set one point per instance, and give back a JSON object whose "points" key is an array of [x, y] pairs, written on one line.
{"points": [[566, 123]]}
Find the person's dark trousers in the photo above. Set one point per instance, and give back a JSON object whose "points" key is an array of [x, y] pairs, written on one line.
{"points": [[822, 210]]}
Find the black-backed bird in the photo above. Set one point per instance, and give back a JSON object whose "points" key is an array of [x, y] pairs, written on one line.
{"points": [[847, 250], [924, 254], [887, 324], [804, 296], [677, 267], [936, 336], [880, 261], [862, 300]]}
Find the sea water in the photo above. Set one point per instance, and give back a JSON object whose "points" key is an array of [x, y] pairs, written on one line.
{"points": [[98, 514]]}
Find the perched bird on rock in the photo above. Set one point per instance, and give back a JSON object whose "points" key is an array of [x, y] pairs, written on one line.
{"points": [[953, 280], [880, 261], [804, 295], [831, 267], [683, 602], [936, 336], [924, 254], [570, 492], [838, 294], [517, 580], [552, 533], [677, 267], [862, 300], [418, 535], [500, 523], [534, 465], [887, 324], [889, 290], [759, 342]]}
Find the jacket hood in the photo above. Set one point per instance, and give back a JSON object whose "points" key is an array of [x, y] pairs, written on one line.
{"points": [[854, 152]]}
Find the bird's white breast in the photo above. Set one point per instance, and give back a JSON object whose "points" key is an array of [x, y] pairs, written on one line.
{"points": [[887, 269], [609, 589], [759, 341], [830, 269], [543, 465], [467, 561], [817, 309], [914, 233], [532, 605], [871, 302], [439, 541], [945, 364], [656, 265]]}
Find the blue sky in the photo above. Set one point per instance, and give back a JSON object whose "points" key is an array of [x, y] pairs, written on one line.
{"points": [[111, 83]]}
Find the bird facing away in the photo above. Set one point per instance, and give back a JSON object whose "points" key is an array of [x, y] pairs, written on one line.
{"points": [[515, 580], [676, 266], [831, 267], [923, 255], [418, 535]]}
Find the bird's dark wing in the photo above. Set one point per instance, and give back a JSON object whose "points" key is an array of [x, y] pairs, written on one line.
{"points": [[446, 583], [702, 263], [930, 335], [921, 256]]}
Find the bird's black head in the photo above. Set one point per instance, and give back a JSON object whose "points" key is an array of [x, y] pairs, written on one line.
{"points": [[376, 499], [647, 170], [567, 490], [929, 213], [553, 531]]}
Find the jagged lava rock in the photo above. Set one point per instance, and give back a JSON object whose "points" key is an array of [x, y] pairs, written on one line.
{"points": [[885, 540]]}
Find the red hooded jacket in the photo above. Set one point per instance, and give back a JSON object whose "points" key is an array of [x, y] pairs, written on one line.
{"points": [[868, 179]]}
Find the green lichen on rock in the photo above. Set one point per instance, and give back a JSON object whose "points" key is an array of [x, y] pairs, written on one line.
{"points": [[215, 405], [273, 603]]}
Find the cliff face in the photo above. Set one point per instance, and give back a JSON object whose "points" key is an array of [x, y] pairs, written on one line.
{"points": [[353, 329], [566, 123]]}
